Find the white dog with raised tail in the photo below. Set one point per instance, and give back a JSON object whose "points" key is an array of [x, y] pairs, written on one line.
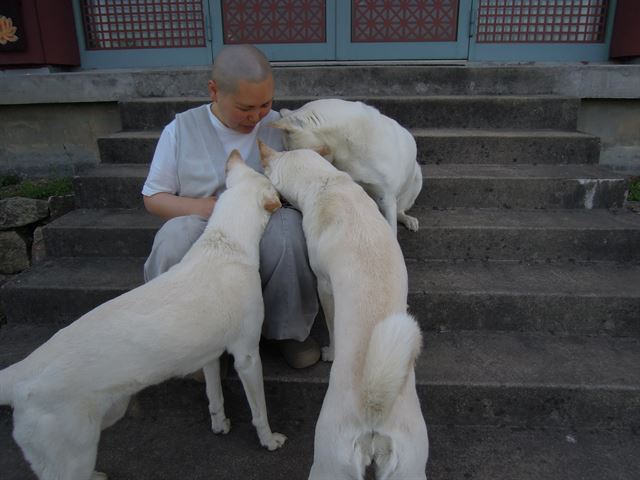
{"points": [[374, 149], [80, 381], [371, 412]]}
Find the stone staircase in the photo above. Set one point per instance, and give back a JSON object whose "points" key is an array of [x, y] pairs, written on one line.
{"points": [[524, 277]]}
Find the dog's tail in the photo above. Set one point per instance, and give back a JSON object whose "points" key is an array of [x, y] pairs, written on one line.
{"points": [[393, 349]]}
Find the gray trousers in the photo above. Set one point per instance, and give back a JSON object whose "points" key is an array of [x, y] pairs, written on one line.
{"points": [[288, 284]]}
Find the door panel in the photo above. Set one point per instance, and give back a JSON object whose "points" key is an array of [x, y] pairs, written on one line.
{"points": [[142, 33], [283, 29], [540, 30], [403, 30]]}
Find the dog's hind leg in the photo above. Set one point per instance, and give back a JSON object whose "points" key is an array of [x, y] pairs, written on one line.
{"points": [[326, 300], [408, 221], [219, 422], [115, 412], [389, 208], [60, 444], [407, 198], [249, 368], [387, 203]]}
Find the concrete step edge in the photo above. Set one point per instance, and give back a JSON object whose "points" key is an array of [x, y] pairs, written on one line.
{"points": [[518, 360], [417, 131]]}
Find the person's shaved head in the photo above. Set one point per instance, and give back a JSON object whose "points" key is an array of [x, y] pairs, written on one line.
{"points": [[239, 62]]}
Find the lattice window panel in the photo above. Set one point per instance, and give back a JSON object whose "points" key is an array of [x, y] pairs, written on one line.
{"points": [[274, 21], [122, 24], [404, 21], [542, 21]]}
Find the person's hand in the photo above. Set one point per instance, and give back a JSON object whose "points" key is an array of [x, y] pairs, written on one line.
{"points": [[167, 205], [205, 206]]}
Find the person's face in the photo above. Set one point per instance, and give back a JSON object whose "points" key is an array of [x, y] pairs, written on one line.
{"points": [[244, 108]]}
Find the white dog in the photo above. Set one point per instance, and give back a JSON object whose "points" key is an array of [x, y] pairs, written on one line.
{"points": [[371, 412], [80, 381], [374, 149]]}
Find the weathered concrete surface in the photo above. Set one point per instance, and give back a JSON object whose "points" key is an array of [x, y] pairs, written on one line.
{"points": [[45, 126], [435, 145], [514, 112], [617, 123], [54, 138], [603, 297], [179, 447], [445, 186], [583, 81]]}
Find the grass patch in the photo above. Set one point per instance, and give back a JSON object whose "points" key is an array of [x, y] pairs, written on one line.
{"points": [[634, 190], [12, 186], [8, 180]]}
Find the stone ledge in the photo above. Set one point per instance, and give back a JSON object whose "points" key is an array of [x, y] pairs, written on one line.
{"points": [[578, 80]]}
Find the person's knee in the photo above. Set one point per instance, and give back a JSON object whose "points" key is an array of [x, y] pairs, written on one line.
{"points": [[284, 232], [172, 242]]}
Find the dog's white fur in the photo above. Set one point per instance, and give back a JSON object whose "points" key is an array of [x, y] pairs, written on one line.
{"points": [[80, 381], [374, 149], [371, 412]]}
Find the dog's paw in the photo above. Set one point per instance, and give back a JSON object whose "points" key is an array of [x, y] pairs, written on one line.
{"points": [[220, 425], [275, 441], [327, 354], [98, 476], [411, 223]]}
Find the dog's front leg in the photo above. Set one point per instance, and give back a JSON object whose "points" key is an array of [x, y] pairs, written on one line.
{"points": [[249, 368], [326, 300], [219, 422]]}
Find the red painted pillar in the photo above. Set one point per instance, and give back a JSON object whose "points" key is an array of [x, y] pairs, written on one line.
{"points": [[625, 40], [37, 32]]}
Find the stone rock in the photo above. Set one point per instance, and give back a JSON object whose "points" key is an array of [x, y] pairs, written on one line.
{"points": [[61, 205], [13, 253], [38, 251], [18, 212]]}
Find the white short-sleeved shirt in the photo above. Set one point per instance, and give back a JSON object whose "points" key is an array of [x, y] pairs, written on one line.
{"points": [[163, 173]]}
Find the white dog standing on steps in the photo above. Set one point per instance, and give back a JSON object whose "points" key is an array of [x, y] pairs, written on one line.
{"points": [[371, 412], [374, 149], [80, 381]]}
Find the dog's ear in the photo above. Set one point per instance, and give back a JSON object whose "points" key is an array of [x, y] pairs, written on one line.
{"points": [[266, 153], [234, 159], [322, 150], [271, 203], [284, 125]]}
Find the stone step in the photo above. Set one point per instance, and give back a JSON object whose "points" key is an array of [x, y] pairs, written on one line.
{"points": [[59, 290], [445, 186], [476, 111], [463, 378], [110, 186], [521, 186], [404, 78], [435, 145], [146, 448], [452, 234], [590, 298], [445, 296], [526, 235], [102, 233]]}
